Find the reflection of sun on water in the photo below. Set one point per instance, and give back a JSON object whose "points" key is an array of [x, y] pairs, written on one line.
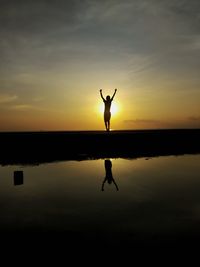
{"points": [[114, 109]]}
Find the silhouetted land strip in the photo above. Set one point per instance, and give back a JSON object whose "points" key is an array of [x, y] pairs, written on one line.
{"points": [[41, 147]]}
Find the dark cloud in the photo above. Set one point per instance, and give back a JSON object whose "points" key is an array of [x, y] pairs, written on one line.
{"points": [[191, 122], [138, 20], [194, 118], [141, 121], [31, 17]]}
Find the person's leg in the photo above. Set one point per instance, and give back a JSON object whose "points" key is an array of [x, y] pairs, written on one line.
{"points": [[109, 116], [108, 126], [106, 120], [105, 124]]}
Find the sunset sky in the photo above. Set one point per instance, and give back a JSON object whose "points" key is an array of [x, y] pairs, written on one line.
{"points": [[56, 55]]}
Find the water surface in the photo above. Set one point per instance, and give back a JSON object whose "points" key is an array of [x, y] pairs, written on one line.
{"points": [[148, 200]]}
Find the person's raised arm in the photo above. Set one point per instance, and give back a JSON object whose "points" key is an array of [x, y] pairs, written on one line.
{"points": [[102, 187], [114, 94], [102, 95], [115, 185]]}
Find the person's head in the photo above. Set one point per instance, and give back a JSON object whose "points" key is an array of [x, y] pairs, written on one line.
{"points": [[107, 97]]}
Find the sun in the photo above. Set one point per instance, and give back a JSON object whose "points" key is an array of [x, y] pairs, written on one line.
{"points": [[114, 108]]}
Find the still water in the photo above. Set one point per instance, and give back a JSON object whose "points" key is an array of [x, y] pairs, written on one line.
{"points": [[117, 199]]}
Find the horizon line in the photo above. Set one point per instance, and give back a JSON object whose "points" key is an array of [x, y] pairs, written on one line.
{"points": [[93, 130]]}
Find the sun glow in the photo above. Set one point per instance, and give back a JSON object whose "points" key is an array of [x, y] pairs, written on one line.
{"points": [[114, 109]]}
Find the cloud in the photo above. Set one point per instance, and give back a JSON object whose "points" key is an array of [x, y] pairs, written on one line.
{"points": [[26, 107], [46, 33], [42, 16], [196, 42], [151, 123], [22, 107], [190, 122], [38, 99], [5, 98], [194, 118], [142, 121]]}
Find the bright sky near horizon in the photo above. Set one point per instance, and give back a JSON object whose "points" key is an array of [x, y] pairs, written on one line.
{"points": [[56, 55]]}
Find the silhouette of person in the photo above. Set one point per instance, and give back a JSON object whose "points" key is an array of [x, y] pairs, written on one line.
{"points": [[107, 113], [18, 177], [109, 177]]}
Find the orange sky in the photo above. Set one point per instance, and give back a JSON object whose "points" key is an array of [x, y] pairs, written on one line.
{"points": [[52, 69]]}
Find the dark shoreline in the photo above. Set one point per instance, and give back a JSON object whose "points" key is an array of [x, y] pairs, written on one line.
{"points": [[42, 147]]}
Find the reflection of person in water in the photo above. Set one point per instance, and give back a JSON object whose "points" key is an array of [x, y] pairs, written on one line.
{"points": [[107, 113], [109, 178], [18, 177]]}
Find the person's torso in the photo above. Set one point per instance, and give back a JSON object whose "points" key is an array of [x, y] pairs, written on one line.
{"points": [[107, 105]]}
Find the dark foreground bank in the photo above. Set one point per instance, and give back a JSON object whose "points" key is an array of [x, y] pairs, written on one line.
{"points": [[39, 147]]}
